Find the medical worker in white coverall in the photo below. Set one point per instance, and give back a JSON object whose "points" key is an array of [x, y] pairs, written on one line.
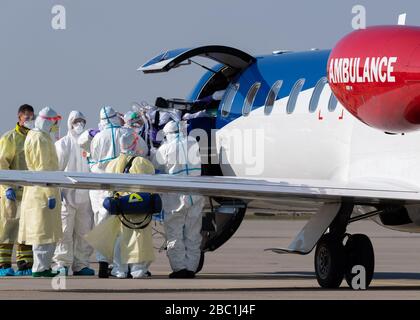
{"points": [[180, 155], [104, 148], [76, 211]]}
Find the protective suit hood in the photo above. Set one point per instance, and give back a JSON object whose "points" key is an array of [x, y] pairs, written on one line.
{"points": [[73, 116], [174, 130], [109, 118]]}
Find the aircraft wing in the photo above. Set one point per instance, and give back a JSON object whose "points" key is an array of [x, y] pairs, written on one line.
{"points": [[367, 193]]}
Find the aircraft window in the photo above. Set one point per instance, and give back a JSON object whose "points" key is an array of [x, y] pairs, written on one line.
{"points": [[228, 101], [332, 104], [271, 97], [291, 103], [250, 97], [313, 104]]}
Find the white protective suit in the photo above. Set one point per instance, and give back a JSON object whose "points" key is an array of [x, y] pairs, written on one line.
{"points": [[84, 141], [132, 250], [40, 225], [180, 155], [76, 212], [104, 148]]}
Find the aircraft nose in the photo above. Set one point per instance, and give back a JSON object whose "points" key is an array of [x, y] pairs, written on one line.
{"points": [[375, 74]]}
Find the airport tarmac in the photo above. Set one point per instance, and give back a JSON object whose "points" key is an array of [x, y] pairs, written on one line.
{"points": [[241, 269]]}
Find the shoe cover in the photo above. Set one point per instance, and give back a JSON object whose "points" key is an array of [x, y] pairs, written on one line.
{"points": [[7, 272]]}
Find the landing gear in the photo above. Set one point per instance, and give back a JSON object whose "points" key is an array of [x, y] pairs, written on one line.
{"points": [[335, 260]]}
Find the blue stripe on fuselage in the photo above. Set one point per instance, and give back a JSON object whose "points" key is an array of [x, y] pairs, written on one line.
{"points": [[289, 67]]}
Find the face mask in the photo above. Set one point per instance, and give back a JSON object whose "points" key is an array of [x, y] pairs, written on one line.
{"points": [[78, 128], [29, 124]]}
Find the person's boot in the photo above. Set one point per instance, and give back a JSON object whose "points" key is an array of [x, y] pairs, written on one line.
{"points": [[180, 274], [190, 274], [103, 270]]}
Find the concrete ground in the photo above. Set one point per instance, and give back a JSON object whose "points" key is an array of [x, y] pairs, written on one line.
{"points": [[241, 269]]}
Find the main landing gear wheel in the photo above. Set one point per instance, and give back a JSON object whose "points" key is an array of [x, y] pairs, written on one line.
{"points": [[359, 251], [329, 261]]}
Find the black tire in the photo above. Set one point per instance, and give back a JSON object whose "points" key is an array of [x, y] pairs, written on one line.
{"points": [[201, 263], [329, 262], [359, 251]]}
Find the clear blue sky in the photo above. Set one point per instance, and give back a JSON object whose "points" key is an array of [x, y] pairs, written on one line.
{"points": [[93, 62]]}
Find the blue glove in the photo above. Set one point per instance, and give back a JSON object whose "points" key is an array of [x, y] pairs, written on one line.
{"points": [[93, 132], [11, 194], [51, 203]]}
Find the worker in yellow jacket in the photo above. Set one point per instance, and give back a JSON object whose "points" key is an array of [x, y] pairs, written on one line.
{"points": [[40, 223], [132, 249], [12, 157]]}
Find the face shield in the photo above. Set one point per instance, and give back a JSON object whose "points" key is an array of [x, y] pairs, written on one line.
{"points": [[47, 121]]}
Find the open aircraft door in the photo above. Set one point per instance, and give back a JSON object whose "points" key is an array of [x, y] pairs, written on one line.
{"points": [[223, 216], [227, 56]]}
